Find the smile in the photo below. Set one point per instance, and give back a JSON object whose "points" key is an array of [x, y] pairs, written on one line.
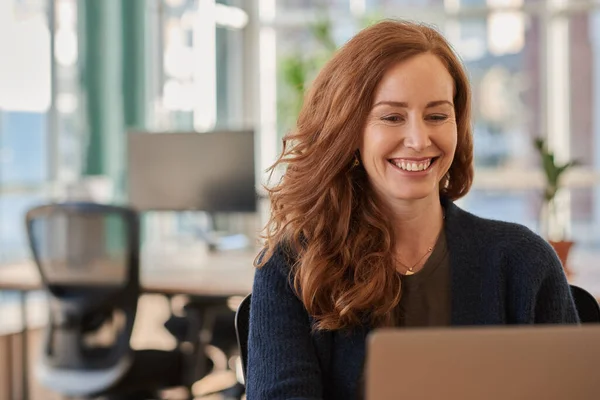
{"points": [[413, 165]]}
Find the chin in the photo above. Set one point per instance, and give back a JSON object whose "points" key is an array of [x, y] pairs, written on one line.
{"points": [[414, 192], [414, 197]]}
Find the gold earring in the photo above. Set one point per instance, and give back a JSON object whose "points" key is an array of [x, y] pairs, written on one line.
{"points": [[446, 181], [356, 162]]}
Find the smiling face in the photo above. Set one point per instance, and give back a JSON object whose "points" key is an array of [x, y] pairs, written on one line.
{"points": [[410, 134]]}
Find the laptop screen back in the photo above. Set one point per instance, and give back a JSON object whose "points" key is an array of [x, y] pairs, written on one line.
{"points": [[501, 363]]}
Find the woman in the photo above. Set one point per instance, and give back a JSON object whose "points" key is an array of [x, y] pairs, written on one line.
{"points": [[364, 233]]}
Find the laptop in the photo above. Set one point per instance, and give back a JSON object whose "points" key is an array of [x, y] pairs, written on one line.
{"points": [[486, 363]]}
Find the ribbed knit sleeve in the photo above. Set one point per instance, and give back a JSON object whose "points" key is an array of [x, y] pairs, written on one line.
{"points": [[554, 302], [503, 273], [539, 288], [282, 360]]}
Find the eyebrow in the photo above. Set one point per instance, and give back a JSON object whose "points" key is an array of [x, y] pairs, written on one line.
{"points": [[405, 105]]}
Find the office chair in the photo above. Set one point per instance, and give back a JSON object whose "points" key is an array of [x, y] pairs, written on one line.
{"points": [[218, 346], [242, 319], [88, 258], [587, 306]]}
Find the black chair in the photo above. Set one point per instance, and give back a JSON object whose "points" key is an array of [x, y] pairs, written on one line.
{"points": [[88, 259], [242, 319], [219, 338], [587, 306]]}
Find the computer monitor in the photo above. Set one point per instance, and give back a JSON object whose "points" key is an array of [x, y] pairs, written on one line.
{"points": [[186, 171]]}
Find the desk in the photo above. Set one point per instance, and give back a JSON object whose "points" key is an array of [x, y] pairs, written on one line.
{"points": [[222, 274], [202, 274], [219, 274]]}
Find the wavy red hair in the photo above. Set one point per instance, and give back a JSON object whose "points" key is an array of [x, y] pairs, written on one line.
{"points": [[323, 214]]}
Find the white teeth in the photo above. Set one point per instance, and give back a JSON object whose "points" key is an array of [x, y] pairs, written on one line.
{"points": [[413, 166]]}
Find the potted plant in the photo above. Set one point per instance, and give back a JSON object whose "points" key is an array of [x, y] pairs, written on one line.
{"points": [[551, 218]]}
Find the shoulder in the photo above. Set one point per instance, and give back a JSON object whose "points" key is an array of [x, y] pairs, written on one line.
{"points": [[514, 243], [496, 233], [511, 260], [274, 295], [508, 234], [275, 273]]}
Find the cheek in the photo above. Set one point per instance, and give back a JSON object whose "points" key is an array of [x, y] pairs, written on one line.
{"points": [[376, 142], [447, 144], [372, 150], [446, 138], [452, 145]]}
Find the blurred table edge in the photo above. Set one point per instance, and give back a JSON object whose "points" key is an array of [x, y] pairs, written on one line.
{"points": [[221, 274]]}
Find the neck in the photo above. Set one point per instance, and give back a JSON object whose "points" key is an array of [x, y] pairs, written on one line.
{"points": [[416, 226]]}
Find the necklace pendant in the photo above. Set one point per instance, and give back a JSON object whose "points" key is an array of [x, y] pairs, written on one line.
{"points": [[409, 272]]}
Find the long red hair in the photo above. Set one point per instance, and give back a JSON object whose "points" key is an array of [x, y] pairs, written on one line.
{"points": [[323, 212]]}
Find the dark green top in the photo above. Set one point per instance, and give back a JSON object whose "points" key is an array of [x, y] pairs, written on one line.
{"points": [[426, 297]]}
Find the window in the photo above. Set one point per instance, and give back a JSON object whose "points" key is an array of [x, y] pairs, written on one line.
{"points": [[534, 67], [200, 63], [25, 102], [584, 122], [69, 126]]}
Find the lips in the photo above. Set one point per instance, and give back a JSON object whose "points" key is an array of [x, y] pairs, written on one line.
{"points": [[413, 165]]}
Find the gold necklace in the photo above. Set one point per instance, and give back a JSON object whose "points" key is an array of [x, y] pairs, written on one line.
{"points": [[410, 270]]}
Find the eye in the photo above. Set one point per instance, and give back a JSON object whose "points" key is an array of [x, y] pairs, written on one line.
{"points": [[437, 117], [393, 118]]}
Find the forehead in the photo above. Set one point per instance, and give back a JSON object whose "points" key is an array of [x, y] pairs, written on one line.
{"points": [[421, 78]]}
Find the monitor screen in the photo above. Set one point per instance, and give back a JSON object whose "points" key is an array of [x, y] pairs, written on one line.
{"points": [[211, 172]]}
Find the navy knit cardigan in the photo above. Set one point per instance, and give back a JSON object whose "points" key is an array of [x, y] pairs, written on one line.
{"points": [[501, 273]]}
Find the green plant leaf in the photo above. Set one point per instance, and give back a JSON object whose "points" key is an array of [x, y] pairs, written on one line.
{"points": [[294, 72], [552, 171], [321, 31]]}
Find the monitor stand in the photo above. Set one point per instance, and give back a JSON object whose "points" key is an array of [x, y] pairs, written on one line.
{"points": [[218, 241]]}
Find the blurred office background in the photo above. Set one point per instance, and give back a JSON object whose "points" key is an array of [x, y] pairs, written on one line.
{"points": [[77, 75]]}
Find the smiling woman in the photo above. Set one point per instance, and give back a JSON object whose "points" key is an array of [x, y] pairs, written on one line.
{"points": [[408, 146], [426, 125], [363, 231]]}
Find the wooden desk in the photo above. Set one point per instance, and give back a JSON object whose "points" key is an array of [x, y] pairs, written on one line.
{"points": [[220, 274]]}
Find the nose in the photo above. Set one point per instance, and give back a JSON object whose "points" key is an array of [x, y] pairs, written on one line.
{"points": [[417, 135]]}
